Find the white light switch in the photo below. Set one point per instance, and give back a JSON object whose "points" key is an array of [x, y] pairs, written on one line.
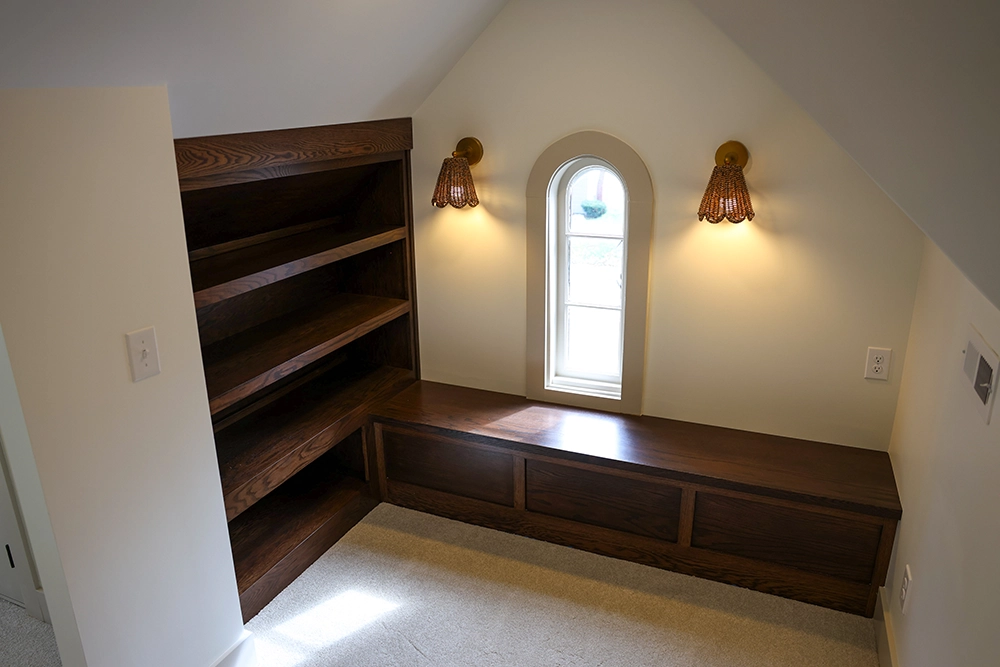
{"points": [[143, 356]]}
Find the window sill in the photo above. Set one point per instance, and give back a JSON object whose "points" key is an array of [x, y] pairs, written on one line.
{"points": [[580, 387]]}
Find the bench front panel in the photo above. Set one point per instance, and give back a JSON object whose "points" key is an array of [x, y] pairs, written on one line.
{"points": [[795, 537], [628, 505], [446, 465], [830, 557]]}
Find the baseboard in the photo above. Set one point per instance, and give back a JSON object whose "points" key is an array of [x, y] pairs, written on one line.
{"points": [[33, 602], [241, 654], [885, 637], [43, 606]]}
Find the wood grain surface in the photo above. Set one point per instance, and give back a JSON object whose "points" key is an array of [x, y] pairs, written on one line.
{"points": [[300, 244], [628, 505], [279, 538], [257, 239], [782, 516], [787, 582], [286, 517], [850, 478], [261, 451], [197, 184], [236, 367], [242, 312], [234, 213], [438, 463], [231, 274], [795, 537], [200, 158]]}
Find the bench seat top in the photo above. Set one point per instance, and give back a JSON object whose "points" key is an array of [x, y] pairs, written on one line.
{"points": [[850, 478]]}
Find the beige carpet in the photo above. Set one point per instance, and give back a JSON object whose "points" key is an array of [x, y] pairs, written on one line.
{"points": [[408, 589], [25, 641]]}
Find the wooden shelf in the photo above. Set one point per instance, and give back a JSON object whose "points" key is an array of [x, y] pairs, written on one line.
{"points": [[208, 162], [242, 364], [261, 451], [238, 271], [300, 246], [282, 535]]}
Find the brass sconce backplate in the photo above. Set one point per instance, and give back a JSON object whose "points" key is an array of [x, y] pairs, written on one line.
{"points": [[732, 152], [471, 149]]}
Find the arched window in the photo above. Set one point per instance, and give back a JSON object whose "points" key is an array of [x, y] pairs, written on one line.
{"points": [[589, 220], [587, 257]]}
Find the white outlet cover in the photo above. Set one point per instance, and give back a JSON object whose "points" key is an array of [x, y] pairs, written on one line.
{"points": [[143, 356], [877, 363], [981, 369], [906, 590]]}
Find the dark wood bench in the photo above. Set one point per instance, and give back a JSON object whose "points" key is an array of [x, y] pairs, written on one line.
{"points": [[805, 520]]}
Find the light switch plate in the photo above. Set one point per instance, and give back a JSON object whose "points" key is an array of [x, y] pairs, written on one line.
{"points": [[981, 371], [143, 356]]}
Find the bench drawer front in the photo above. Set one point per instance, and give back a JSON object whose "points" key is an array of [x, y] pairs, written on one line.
{"points": [[799, 538], [444, 465], [629, 505]]}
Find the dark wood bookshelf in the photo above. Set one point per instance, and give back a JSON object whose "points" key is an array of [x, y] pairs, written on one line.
{"points": [[275, 540], [238, 366], [260, 452], [301, 254], [230, 274], [210, 162]]}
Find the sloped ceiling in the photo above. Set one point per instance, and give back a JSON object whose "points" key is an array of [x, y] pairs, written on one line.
{"points": [[242, 65], [911, 89]]}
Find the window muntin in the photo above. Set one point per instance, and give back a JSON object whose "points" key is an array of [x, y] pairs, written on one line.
{"points": [[588, 216]]}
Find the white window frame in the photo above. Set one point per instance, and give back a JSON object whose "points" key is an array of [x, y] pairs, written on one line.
{"points": [[543, 245], [557, 376]]}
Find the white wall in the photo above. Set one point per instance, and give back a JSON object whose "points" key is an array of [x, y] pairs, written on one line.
{"points": [[947, 462], [762, 326], [27, 489], [909, 89], [93, 247], [243, 65]]}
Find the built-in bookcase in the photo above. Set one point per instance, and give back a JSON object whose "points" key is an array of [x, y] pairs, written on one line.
{"points": [[300, 246]]}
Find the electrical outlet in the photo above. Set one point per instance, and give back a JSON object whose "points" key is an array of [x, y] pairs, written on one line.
{"points": [[877, 364], [906, 590]]}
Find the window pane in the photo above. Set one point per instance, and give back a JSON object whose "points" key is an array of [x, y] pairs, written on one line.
{"points": [[597, 202], [593, 341], [595, 271]]}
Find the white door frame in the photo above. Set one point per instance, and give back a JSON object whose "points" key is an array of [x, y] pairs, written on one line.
{"points": [[22, 575]]}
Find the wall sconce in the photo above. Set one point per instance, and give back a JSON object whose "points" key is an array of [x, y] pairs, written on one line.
{"points": [[726, 196], [454, 184]]}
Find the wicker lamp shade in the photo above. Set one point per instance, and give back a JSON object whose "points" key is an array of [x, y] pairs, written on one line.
{"points": [[454, 184], [727, 197]]}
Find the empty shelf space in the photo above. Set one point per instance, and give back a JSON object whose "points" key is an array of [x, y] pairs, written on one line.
{"points": [[283, 534], [262, 450], [262, 537], [242, 364], [227, 274]]}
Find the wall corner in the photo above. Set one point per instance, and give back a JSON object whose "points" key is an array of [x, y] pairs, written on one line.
{"points": [[885, 637], [241, 654]]}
